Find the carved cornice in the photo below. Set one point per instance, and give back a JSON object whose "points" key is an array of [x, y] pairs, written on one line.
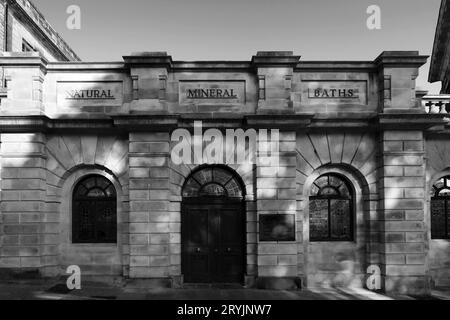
{"points": [[149, 59], [167, 123], [400, 59], [410, 121], [275, 59]]}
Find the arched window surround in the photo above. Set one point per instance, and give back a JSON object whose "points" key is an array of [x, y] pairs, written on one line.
{"points": [[86, 253]]}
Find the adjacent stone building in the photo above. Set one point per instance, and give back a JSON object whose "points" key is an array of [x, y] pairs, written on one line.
{"points": [[23, 28], [157, 169], [440, 60], [436, 149]]}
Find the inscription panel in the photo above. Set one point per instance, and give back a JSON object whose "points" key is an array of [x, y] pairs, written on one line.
{"points": [[89, 93], [335, 92], [212, 92], [277, 227]]}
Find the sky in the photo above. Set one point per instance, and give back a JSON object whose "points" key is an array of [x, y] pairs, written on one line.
{"points": [[236, 29]]}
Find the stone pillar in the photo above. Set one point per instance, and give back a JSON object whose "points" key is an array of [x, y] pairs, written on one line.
{"points": [[274, 71], [151, 225], [25, 77], [402, 203], [276, 194], [402, 173], [149, 73], [398, 71], [24, 232], [28, 232], [277, 261]]}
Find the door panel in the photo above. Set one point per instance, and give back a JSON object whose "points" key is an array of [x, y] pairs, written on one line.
{"points": [[195, 230], [231, 245], [213, 243]]}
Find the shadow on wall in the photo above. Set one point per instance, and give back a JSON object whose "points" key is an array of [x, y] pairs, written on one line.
{"points": [[439, 261], [69, 159], [22, 199], [35, 167], [74, 153]]}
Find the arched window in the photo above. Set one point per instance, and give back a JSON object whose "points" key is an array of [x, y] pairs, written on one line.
{"points": [[331, 209], [440, 207], [94, 211], [212, 182]]}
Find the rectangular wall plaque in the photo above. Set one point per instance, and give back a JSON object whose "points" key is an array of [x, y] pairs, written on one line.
{"points": [[335, 92], [212, 92], [89, 93], [277, 227]]}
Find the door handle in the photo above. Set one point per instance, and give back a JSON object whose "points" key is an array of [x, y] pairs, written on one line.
{"points": [[198, 250], [228, 249]]}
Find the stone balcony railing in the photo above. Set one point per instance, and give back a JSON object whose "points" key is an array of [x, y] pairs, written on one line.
{"points": [[436, 103]]}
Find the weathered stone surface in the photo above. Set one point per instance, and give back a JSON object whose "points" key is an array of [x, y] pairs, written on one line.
{"points": [[388, 167]]}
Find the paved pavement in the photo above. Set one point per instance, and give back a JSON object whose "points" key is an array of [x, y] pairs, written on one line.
{"points": [[45, 290]]}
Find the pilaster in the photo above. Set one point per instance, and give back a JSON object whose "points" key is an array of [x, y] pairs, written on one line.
{"points": [[402, 201], [24, 231], [149, 72], [151, 225], [274, 71]]}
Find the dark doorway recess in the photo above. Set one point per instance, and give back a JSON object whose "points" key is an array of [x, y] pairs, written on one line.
{"points": [[213, 227]]}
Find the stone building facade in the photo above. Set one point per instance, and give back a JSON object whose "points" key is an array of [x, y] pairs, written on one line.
{"points": [[24, 29], [89, 177]]}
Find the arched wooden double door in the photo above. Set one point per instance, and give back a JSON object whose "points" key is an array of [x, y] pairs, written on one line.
{"points": [[213, 228]]}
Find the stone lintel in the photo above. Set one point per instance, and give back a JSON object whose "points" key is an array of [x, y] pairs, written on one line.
{"points": [[283, 122], [414, 121], [86, 66], [337, 125], [18, 124], [244, 66], [146, 123], [166, 122], [336, 66], [341, 120], [23, 124]]}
